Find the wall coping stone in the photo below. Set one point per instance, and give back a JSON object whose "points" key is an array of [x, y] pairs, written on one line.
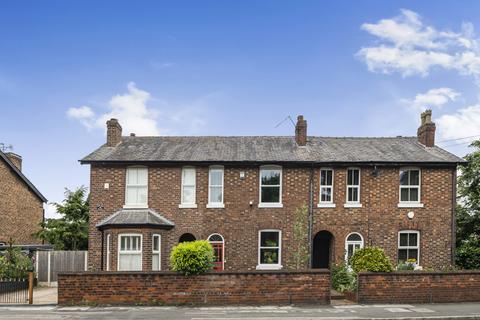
{"points": [[418, 273], [211, 273]]}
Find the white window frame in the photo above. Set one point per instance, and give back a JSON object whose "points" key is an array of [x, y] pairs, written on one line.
{"points": [[326, 204], [135, 205], [108, 251], [408, 246], [223, 246], [216, 204], [353, 204], [184, 204], [270, 266], [130, 252], [159, 251], [410, 204], [278, 204], [348, 242]]}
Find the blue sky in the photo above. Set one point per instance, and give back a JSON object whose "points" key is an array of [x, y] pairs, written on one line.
{"points": [[229, 68]]}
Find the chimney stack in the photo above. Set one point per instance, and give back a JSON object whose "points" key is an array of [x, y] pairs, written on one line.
{"points": [[15, 159], [114, 133], [426, 131], [301, 131]]}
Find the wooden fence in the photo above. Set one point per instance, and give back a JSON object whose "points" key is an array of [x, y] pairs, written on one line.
{"points": [[49, 263]]}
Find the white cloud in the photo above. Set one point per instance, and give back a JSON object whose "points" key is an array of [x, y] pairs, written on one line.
{"points": [[464, 122], [432, 98], [136, 116], [407, 46]]}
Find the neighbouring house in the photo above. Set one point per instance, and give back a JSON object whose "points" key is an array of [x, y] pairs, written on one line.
{"points": [[21, 204], [241, 194]]}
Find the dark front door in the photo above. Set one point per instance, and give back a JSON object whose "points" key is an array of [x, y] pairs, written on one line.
{"points": [[322, 243]]}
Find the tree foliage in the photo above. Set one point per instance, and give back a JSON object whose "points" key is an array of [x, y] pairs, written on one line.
{"points": [[70, 232], [468, 211], [300, 236], [14, 264]]}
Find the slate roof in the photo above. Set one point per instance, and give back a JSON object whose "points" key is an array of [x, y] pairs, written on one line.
{"points": [[22, 177], [136, 218], [265, 149]]}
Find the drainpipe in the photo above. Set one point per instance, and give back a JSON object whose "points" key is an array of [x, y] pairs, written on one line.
{"points": [[310, 215], [454, 208]]}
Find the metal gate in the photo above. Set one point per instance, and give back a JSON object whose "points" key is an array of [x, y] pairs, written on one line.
{"points": [[14, 291]]}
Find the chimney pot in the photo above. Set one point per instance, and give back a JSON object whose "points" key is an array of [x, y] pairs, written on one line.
{"points": [[132, 134], [114, 132], [301, 131], [426, 131], [15, 159]]}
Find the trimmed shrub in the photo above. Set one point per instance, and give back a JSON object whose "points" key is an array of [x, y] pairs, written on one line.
{"points": [[194, 257], [14, 264], [371, 259], [468, 253], [342, 278]]}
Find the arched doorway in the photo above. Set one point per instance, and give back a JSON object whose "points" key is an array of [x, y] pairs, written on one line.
{"points": [[218, 245], [322, 249], [186, 237]]}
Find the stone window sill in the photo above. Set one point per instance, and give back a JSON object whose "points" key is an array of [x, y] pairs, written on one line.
{"points": [[326, 205], [410, 205], [187, 205], [352, 205], [269, 267], [270, 205], [215, 205]]}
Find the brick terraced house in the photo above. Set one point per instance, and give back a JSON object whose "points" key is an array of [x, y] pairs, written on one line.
{"points": [[21, 204], [241, 194]]}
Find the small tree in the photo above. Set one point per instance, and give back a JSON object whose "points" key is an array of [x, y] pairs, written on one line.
{"points": [[194, 257], [371, 259], [70, 232], [14, 264], [300, 237]]}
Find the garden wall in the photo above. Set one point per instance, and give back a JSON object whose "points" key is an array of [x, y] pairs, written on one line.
{"points": [[419, 287], [168, 288]]}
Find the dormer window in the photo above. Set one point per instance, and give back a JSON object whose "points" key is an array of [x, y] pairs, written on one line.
{"points": [[136, 191]]}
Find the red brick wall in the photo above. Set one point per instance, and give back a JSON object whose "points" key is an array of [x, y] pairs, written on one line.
{"points": [[274, 287], [378, 221], [419, 287], [21, 210]]}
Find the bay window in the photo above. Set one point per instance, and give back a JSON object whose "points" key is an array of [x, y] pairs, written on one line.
{"points": [[129, 252], [156, 244]]}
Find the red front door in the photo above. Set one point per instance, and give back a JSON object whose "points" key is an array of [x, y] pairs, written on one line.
{"points": [[218, 250]]}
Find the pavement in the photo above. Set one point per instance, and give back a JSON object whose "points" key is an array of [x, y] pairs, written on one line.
{"points": [[44, 296], [398, 312]]}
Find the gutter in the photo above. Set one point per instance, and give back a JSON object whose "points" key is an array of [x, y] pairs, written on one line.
{"points": [[454, 220]]}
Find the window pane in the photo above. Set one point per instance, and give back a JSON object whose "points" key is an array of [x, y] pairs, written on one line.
{"points": [[156, 243], [269, 256], [131, 195], [402, 255], [413, 194], [413, 254], [353, 194], [270, 195], [353, 177], [131, 175], [269, 239], [326, 178], [122, 241], [270, 177], [412, 239], [216, 177], [414, 177], [349, 177], [142, 177], [403, 239], [216, 195], [356, 177], [354, 237], [127, 244], [326, 195], [188, 194], [142, 195], [329, 177], [404, 178], [188, 176], [155, 261], [404, 194], [349, 251], [130, 262]]}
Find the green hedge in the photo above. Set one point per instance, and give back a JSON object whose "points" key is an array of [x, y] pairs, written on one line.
{"points": [[371, 259], [194, 257]]}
